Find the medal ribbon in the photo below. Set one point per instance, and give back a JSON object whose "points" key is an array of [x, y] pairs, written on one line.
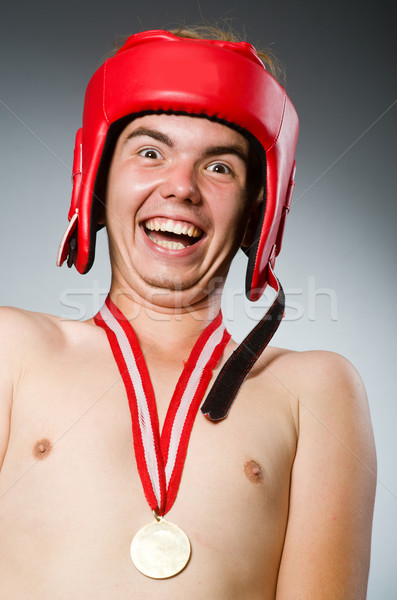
{"points": [[160, 459]]}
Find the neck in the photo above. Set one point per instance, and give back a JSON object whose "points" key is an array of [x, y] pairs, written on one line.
{"points": [[166, 330]]}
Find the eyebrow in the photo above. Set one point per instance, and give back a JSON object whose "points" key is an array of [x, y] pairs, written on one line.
{"points": [[228, 149], [143, 131], [211, 151]]}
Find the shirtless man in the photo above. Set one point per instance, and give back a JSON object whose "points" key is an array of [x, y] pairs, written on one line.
{"points": [[277, 498]]}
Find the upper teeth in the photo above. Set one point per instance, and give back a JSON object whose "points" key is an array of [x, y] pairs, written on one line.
{"points": [[173, 227]]}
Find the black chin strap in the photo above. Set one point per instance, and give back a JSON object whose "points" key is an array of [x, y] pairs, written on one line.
{"points": [[220, 398]]}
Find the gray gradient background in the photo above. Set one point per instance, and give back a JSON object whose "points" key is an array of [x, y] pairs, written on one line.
{"points": [[341, 75]]}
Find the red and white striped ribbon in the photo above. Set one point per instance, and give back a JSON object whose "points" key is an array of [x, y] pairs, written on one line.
{"points": [[160, 459]]}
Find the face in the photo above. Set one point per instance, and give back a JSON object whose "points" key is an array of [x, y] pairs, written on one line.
{"points": [[176, 205]]}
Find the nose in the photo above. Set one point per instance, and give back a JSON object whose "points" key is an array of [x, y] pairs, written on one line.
{"points": [[180, 182]]}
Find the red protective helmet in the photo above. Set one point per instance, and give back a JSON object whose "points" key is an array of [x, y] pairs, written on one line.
{"points": [[158, 72]]}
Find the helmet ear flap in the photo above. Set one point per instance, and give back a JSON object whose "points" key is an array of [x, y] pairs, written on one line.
{"points": [[260, 268], [271, 278], [286, 209], [68, 246], [77, 170]]}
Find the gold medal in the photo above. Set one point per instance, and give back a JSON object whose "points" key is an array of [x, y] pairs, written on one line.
{"points": [[160, 550]]}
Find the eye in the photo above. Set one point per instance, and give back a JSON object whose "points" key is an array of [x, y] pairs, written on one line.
{"points": [[220, 168], [150, 153]]}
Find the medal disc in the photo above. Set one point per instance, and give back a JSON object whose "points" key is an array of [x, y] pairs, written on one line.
{"points": [[160, 549]]}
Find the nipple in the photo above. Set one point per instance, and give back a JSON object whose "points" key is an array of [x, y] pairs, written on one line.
{"points": [[253, 471], [42, 449]]}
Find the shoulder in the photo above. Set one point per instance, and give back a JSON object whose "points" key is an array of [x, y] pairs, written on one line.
{"points": [[334, 423], [331, 385], [324, 365], [318, 385], [19, 329], [317, 374], [25, 335]]}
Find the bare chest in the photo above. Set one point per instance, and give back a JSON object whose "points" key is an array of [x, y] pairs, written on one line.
{"points": [[70, 481]]}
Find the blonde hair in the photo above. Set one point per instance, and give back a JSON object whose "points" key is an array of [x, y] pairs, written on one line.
{"points": [[215, 32]]}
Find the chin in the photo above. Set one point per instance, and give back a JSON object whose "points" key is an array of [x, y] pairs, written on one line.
{"points": [[170, 284], [163, 278], [169, 292]]}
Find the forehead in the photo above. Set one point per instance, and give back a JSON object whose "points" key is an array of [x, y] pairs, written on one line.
{"points": [[186, 130]]}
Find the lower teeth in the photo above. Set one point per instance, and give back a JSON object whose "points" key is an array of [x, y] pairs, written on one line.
{"points": [[171, 245], [167, 244]]}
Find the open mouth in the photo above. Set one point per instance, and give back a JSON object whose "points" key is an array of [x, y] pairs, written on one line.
{"points": [[174, 235]]}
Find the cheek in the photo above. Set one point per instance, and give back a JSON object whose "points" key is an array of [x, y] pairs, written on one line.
{"points": [[231, 213], [126, 190]]}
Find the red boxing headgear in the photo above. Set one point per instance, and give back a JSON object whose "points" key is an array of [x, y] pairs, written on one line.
{"points": [[158, 72]]}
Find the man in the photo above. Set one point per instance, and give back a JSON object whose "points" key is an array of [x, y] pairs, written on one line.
{"points": [[271, 496]]}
